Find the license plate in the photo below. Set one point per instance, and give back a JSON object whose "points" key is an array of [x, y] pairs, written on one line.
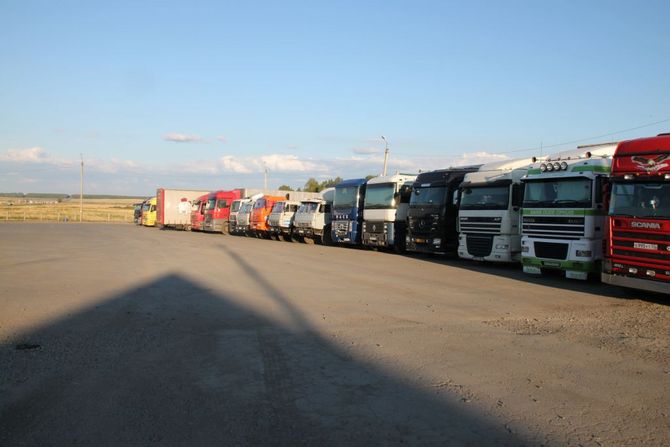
{"points": [[644, 246], [576, 275]]}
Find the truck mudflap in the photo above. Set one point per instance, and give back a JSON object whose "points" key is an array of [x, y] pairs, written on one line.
{"points": [[635, 283]]}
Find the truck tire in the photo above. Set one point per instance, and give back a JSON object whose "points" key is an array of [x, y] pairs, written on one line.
{"points": [[399, 245], [326, 239]]}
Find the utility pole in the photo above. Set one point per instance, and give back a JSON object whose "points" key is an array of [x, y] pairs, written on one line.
{"points": [[81, 190], [265, 179], [386, 154]]}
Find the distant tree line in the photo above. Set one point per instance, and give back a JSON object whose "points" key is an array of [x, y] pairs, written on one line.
{"points": [[313, 185]]}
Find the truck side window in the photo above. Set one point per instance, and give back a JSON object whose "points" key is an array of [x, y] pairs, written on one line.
{"points": [[223, 204], [517, 195], [602, 183], [326, 208]]}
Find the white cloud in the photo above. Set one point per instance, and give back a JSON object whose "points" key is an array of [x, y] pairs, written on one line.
{"points": [[30, 155], [234, 164], [181, 138]]}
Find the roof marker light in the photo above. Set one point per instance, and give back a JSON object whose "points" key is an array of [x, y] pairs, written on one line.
{"points": [[557, 166], [667, 176], [564, 165], [543, 167], [588, 154], [550, 167], [628, 177]]}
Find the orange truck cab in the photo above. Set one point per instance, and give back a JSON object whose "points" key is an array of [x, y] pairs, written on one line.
{"points": [[258, 222]]}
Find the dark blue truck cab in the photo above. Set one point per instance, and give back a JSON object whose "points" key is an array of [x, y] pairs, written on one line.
{"points": [[347, 211]]}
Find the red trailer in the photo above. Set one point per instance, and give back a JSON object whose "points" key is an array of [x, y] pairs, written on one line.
{"points": [[217, 210], [638, 242]]}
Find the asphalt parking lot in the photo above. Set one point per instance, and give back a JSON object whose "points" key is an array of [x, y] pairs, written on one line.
{"points": [[117, 334]]}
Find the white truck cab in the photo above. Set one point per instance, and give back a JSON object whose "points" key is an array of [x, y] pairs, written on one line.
{"points": [[564, 208], [490, 210]]}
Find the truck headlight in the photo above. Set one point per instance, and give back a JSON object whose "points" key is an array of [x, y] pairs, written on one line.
{"points": [[437, 241], [525, 249], [584, 253]]}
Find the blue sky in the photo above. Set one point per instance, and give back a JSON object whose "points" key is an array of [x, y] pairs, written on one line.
{"points": [[206, 94]]}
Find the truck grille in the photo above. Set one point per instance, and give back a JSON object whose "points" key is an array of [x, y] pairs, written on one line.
{"points": [[488, 225], [551, 250], [641, 245], [479, 245], [553, 227], [341, 226], [374, 227]]}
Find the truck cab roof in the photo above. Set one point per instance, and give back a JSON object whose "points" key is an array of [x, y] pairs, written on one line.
{"points": [[443, 177], [507, 171]]}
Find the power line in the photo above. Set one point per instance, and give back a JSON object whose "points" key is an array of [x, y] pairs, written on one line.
{"points": [[543, 146], [581, 140]]}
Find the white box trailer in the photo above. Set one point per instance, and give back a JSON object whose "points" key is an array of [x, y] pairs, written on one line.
{"points": [[173, 207]]}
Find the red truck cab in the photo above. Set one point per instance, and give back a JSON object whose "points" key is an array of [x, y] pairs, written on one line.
{"points": [[217, 211], [198, 212], [258, 221], [637, 253]]}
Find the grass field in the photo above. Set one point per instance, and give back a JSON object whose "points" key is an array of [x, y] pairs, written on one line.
{"points": [[49, 210]]}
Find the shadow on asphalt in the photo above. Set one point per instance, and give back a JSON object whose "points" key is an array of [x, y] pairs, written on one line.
{"points": [[550, 278], [174, 363]]}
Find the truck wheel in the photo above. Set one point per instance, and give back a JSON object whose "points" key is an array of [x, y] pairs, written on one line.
{"points": [[326, 239], [399, 246]]}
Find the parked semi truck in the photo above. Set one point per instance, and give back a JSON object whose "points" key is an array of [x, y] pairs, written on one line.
{"points": [[385, 211], [637, 251], [243, 221], [313, 218], [563, 215], [489, 214], [217, 210], [280, 221], [347, 211], [235, 208], [198, 212], [149, 213], [173, 207], [433, 210], [258, 222]]}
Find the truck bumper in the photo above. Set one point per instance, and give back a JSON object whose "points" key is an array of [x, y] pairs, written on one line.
{"points": [[504, 248], [635, 283]]}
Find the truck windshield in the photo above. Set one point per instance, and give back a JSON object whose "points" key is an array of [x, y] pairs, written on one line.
{"points": [[558, 193], [195, 206], [260, 203], [640, 200], [485, 198], [346, 196], [428, 195], [278, 207], [210, 204], [380, 196], [235, 206], [308, 207]]}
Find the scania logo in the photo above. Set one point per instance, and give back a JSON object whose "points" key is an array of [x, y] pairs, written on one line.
{"points": [[647, 225]]}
